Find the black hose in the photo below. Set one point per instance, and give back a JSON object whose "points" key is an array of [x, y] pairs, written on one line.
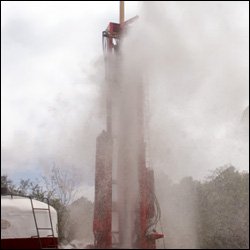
{"points": [[157, 216]]}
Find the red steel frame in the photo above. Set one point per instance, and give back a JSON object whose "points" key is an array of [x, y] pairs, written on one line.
{"points": [[102, 223]]}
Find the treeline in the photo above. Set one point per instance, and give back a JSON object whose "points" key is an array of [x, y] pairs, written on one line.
{"points": [[212, 214]]}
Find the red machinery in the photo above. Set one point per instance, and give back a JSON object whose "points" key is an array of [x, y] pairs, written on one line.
{"points": [[142, 234]]}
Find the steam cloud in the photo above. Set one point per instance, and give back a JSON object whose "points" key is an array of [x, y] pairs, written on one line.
{"points": [[195, 95], [194, 60], [195, 64]]}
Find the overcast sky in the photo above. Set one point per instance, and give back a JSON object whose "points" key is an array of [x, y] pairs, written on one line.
{"points": [[49, 51], [46, 47], [50, 55]]}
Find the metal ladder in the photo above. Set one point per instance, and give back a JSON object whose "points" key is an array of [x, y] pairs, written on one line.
{"points": [[54, 246]]}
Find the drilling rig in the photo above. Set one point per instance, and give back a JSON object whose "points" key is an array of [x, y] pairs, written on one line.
{"points": [[126, 210]]}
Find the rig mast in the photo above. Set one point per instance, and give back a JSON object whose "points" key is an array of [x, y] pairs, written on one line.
{"points": [[122, 220]]}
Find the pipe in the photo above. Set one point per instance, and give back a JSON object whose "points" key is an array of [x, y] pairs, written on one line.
{"points": [[121, 12]]}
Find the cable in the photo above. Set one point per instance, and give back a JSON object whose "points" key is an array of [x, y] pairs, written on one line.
{"points": [[157, 216]]}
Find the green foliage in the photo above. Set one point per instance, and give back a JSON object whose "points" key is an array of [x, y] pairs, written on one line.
{"points": [[224, 210], [6, 182], [213, 214]]}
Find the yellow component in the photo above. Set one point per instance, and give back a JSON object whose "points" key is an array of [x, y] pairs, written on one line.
{"points": [[121, 12]]}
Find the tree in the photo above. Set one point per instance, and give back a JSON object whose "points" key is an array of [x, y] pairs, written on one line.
{"points": [[61, 188], [213, 214], [7, 183], [224, 210], [81, 229]]}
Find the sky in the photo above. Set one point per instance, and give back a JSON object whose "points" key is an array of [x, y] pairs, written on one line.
{"points": [[50, 51], [52, 69], [49, 46]]}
